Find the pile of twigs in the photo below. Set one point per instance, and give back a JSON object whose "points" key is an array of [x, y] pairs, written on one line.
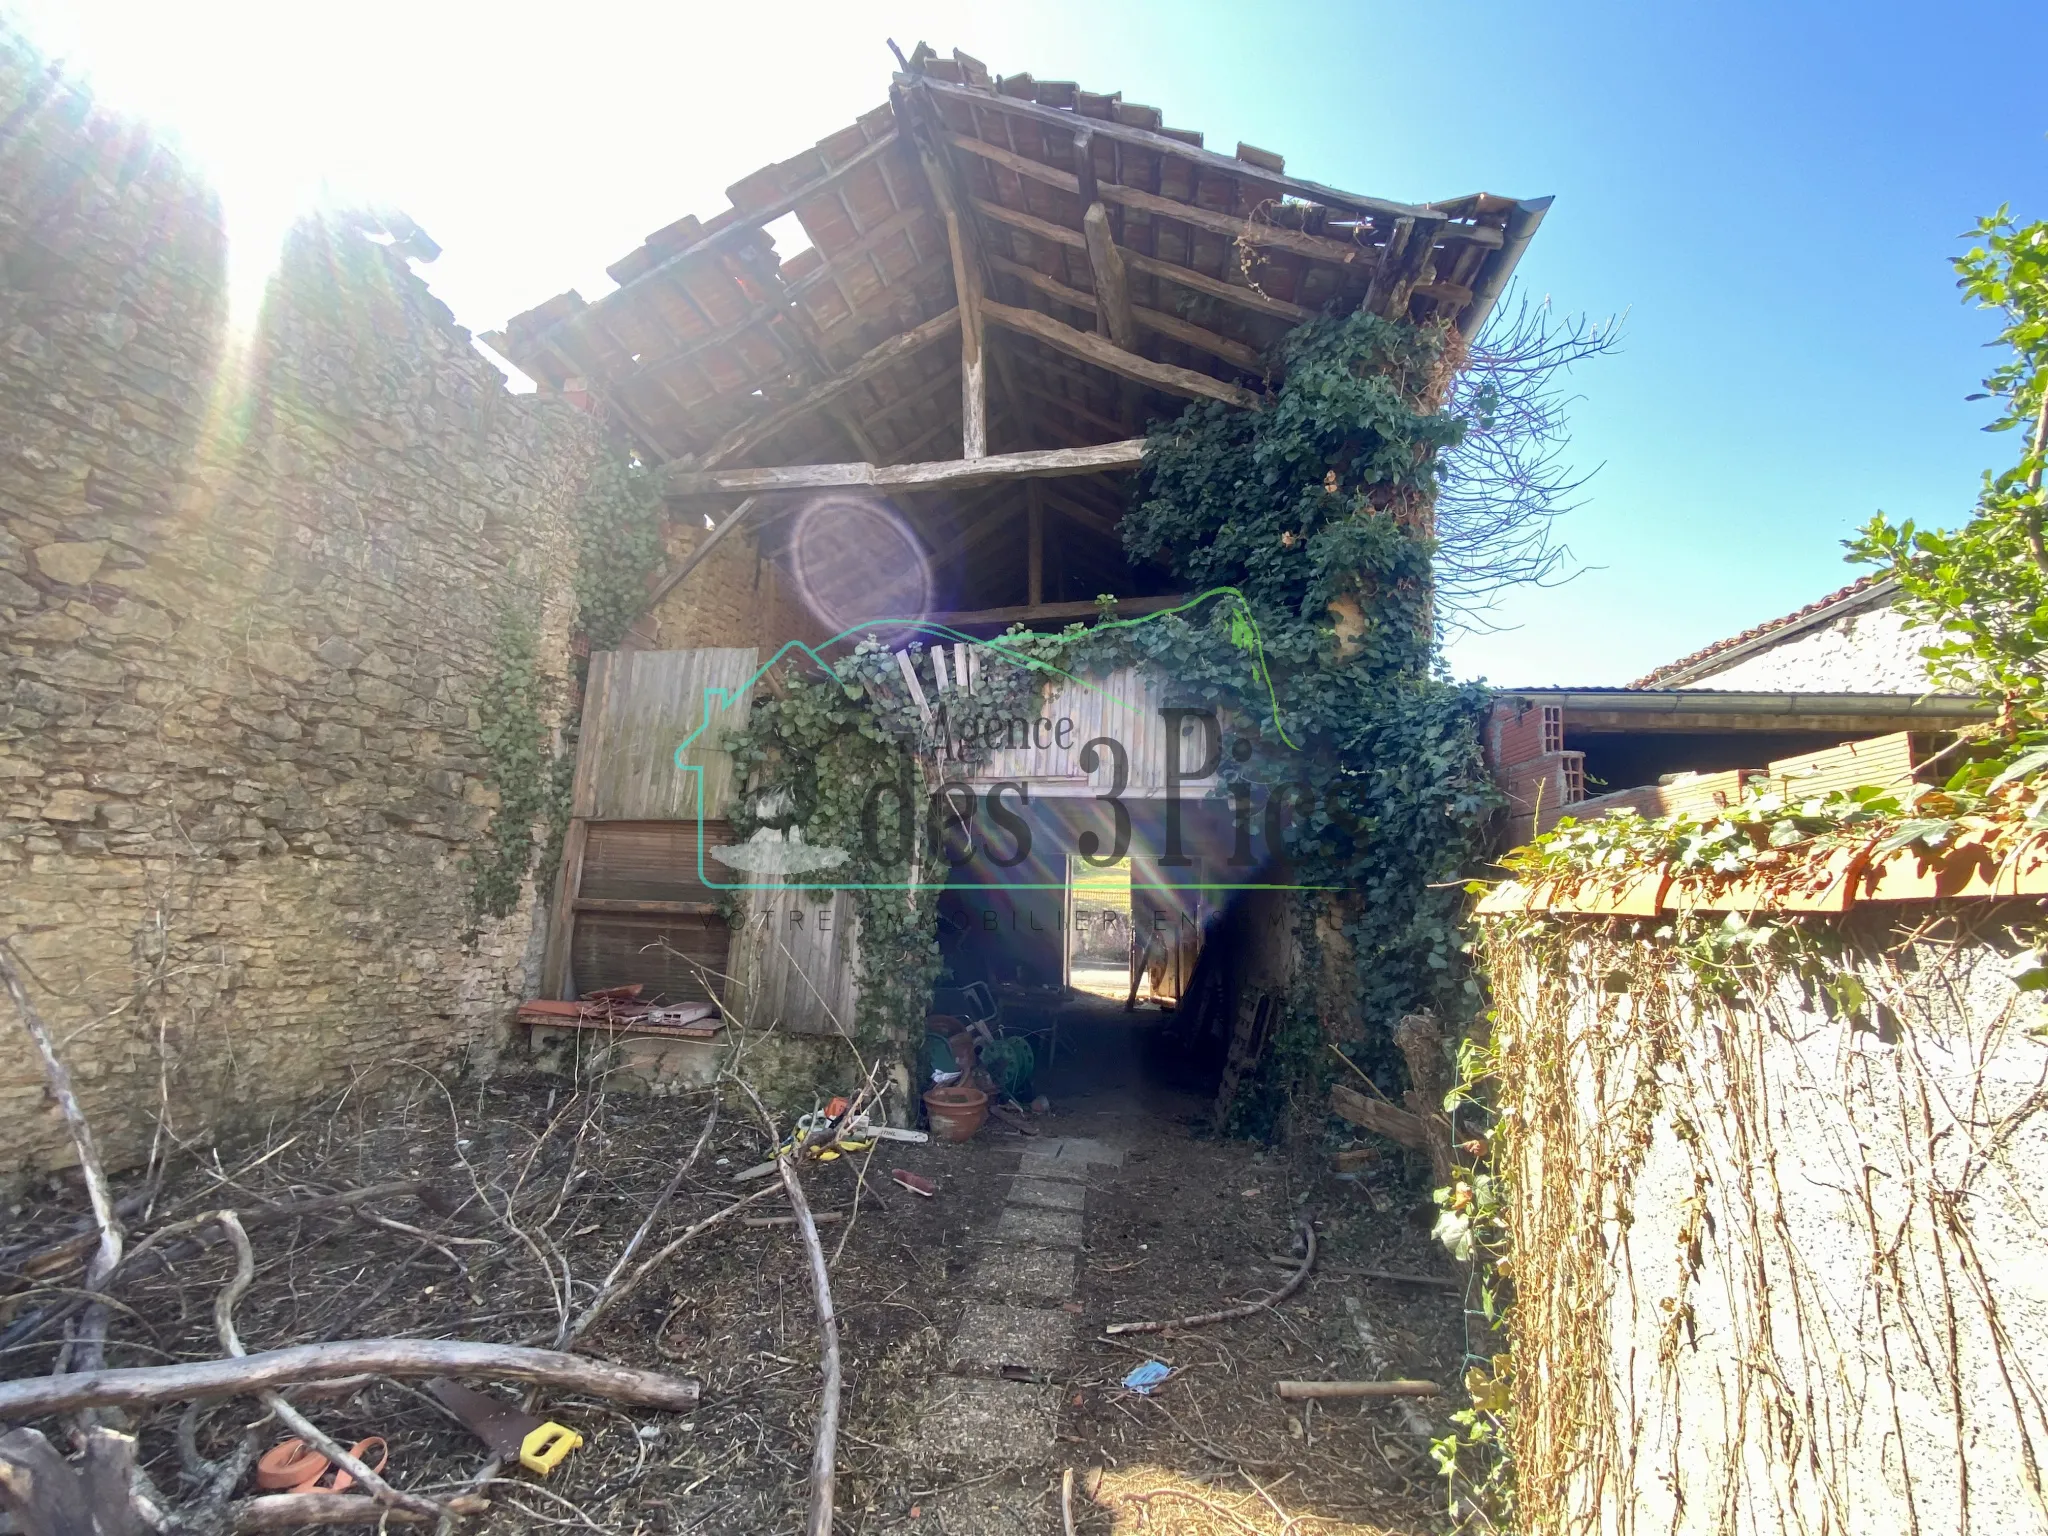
{"points": [[510, 1225]]}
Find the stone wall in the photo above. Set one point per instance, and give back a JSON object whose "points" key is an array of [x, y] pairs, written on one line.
{"points": [[248, 590], [736, 597]]}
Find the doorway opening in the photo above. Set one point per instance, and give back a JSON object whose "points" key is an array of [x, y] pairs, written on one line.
{"points": [[1124, 974]]}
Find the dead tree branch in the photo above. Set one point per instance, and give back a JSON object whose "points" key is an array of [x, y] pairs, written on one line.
{"points": [[825, 1453], [650, 1265], [34, 1396], [1503, 488], [602, 1301], [1203, 1320], [92, 1332], [155, 1252]]}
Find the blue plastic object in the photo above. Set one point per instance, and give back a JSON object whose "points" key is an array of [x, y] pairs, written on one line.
{"points": [[1147, 1376]]}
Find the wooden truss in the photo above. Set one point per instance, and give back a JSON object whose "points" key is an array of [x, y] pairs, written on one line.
{"points": [[1020, 274]]}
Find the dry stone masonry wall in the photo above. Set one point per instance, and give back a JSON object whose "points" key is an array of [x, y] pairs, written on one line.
{"points": [[249, 588]]}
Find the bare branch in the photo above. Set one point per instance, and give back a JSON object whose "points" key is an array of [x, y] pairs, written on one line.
{"points": [[1506, 485]]}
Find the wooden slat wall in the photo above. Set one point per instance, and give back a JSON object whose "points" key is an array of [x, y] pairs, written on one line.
{"points": [[653, 861], [1123, 706], [676, 959], [1882, 760], [793, 975], [650, 701], [634, 832]]}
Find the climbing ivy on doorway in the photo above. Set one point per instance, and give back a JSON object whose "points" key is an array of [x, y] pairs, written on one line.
{"points": [[1316, 509]]}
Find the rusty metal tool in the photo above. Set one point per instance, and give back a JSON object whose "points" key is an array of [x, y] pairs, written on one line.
{"points": [[540, 1444]]}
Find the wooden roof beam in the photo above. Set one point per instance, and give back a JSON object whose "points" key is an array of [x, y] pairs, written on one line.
{"points": [[1035, 613], [967, 285], [682, 480], [1078, 410], [1230, 293], [1185, 332], [1275, 236], [1090, 348], [751, 434], [1075, 512], [1112, 289]]}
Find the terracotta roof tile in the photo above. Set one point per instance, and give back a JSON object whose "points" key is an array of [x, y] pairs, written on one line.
{"points": [[1686, 664]]}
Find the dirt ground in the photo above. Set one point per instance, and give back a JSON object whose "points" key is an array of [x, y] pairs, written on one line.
{"points": [[538, 1188]]}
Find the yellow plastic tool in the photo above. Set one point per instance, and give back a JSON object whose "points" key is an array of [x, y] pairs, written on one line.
{"points": [[547, 1446]]}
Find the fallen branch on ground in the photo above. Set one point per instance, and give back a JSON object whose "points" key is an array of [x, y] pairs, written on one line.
{"points": [[825, 1454], [822, 1218], [602, 1301], [196, 1234], [32, 1397], [92, 1333], [1358, 1272], [289, 1511], [1308, 1232], [1310, 1391], [649, 1266], [280, 1408]]}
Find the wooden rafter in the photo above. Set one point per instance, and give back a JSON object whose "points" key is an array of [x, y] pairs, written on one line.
{"points": [[1075, 512], [967, 284], [1252, 231], [1112, 289], [1090, 348], [682, 481], [1230, 293], [751, 434]]}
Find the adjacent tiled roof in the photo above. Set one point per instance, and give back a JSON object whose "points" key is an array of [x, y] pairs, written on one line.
{"points": [[1804, 618]]}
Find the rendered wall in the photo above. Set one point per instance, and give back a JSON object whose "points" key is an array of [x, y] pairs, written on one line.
{"points": [[248, 591], [1778, 1261], [1869, 651]]}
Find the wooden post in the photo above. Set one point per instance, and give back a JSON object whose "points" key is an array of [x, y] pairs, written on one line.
{"points": [[967, 285], [1034, 582]]}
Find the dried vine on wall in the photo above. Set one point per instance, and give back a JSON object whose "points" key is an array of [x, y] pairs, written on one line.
{"points": [[1788, 1079]]}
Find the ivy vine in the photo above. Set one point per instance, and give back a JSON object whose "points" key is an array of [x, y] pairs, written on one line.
{"points": [[513, 738], [616, 523], [1317, 508]]}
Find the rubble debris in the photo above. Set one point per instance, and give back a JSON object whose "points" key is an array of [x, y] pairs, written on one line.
{"points": [[689, 1021]]}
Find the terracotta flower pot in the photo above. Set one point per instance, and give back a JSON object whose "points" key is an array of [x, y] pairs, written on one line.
{"points": [[956, 1111]]}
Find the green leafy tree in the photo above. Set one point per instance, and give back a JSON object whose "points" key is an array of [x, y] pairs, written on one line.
{"points": [[1984, 586]]}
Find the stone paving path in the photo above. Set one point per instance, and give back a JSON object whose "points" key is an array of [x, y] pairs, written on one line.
{"points": [[974, 1416]]}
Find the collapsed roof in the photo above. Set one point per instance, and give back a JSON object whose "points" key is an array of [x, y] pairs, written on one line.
{"points": [[1115, 267]]}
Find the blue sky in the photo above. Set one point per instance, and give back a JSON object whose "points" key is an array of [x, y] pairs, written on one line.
{"points": [[1770, 194]]}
